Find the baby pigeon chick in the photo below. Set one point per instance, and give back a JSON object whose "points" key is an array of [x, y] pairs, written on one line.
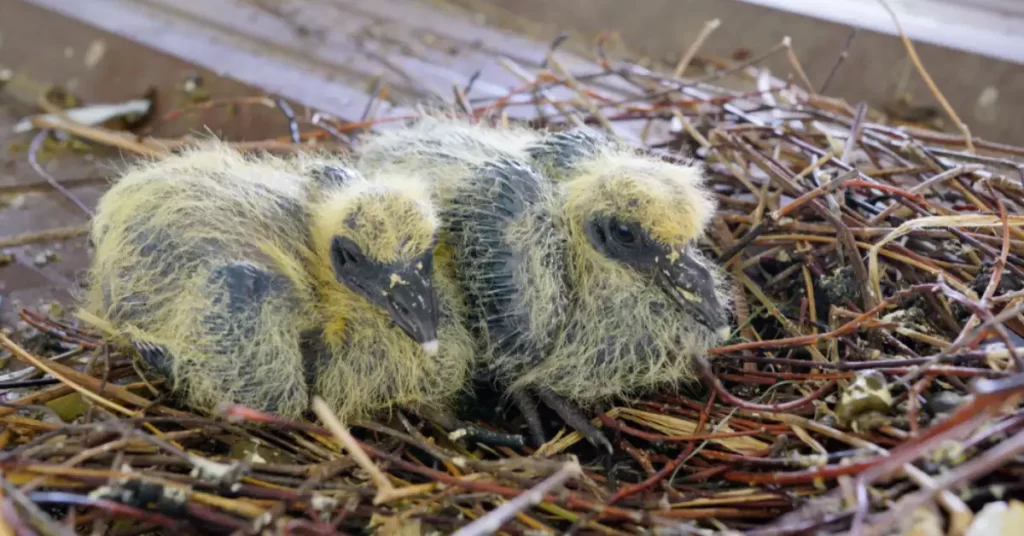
{"points": [[577, 256], [261, 281]]}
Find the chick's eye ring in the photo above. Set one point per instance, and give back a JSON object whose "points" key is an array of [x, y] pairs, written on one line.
{"points": [[622, 233], [346, 253], [348, 258]]}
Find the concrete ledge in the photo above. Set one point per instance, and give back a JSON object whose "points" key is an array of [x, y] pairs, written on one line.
{"points": [[991, 29], [987, 92]]}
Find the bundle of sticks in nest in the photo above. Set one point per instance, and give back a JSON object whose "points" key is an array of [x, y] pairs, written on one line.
{"points": [[872, 385]]}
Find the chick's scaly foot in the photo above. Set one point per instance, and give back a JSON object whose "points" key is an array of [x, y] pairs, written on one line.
{"points": [[155, 356], [527, 405], [572, 416]]}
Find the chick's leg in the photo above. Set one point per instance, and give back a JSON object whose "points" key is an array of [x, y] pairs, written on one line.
{"points": [[252, 355], [527, 405], [572, 416]]}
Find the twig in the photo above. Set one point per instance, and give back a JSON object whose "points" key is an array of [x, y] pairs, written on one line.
{"points": [[691, 52], [99, 135], [293, 123], [709, 377], [32, 360], [750, 62], [384, 487], [912, 52], [49, 235], [966, 472], [587, 101], [492, 522], [795, 62], [33, 152], [839, 61], [521, 73]]}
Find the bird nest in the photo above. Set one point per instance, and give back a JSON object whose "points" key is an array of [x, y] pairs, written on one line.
{"points": [[871, 383]]}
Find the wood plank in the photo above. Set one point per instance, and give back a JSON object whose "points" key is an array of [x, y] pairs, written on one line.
{"points": [[327, 55], [308, 82]]}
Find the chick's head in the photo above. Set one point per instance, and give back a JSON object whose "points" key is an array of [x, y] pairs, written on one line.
{"points": [[635, 221], [378, 238]]}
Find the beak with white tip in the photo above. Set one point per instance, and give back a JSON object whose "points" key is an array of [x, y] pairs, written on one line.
{"points": [[430, 347]]}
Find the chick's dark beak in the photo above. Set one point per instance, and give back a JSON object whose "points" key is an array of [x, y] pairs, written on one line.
{"points": [[412, 303], [691, 286]]}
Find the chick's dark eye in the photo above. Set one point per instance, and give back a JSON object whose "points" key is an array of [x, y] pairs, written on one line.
{"points": [[624, 234], [345, 253]]}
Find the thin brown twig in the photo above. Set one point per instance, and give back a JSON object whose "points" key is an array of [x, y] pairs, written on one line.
{"points": [[691, 52], [384, 487], [912, 52], [845, 53], [492, 522], [33, 160], [795, 62], [49, 235]]}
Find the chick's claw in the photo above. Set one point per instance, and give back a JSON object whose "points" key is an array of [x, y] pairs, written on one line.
{"points": [[572, 416], [155, 356]]}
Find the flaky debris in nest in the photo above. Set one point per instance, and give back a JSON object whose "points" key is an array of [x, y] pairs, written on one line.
{"points": [[872, 384]]}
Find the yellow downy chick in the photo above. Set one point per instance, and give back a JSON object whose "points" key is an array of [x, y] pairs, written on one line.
{"points": [[261, 281], [577, 256], [641, 299]]}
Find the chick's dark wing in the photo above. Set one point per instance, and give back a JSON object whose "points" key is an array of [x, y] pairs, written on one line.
{"points": [[329, 176], [254, 346], [489, 266]]}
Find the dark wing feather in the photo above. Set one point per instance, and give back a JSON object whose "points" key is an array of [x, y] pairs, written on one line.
{"points": [[501, 193], [241, 291]]}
